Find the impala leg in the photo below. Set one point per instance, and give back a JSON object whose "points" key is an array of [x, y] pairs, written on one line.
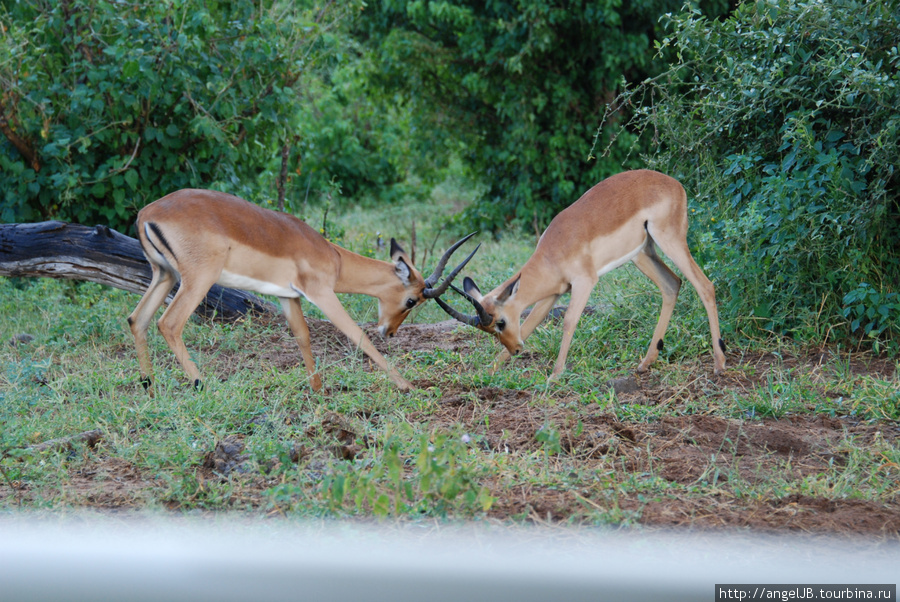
{"points": [[534, 319], [328, 302], [293, 311], [171, 324], [677, 250], [161, 283], [648, 262], [581, 292], [537, 315]]}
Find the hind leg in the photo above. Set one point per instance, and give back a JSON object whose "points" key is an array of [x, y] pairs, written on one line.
{"points": [[161, 283], [648, 262], [675, 247], [192, 291]]}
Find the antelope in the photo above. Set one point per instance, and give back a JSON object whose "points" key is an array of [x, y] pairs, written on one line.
{"points": [[203, 237], [621, 219]]}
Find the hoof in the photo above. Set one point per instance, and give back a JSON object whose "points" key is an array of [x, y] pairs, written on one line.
{"points": [[316, 383]]}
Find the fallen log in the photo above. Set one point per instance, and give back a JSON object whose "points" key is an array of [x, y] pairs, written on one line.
{"points": [[100, 254]]}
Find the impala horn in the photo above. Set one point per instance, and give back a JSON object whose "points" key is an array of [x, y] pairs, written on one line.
{"points": [[433, 292], [482, 319]]}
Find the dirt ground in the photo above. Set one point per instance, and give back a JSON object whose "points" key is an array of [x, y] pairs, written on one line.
{"points": [[679, 448]]}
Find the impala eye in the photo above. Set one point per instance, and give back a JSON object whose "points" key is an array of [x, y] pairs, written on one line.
{"points": [[501, 324], [410, 303]]}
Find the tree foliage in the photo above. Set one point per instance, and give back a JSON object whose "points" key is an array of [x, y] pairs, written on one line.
{"points": [[348, 139], [783, 122], [514, 86], [107, 105]]}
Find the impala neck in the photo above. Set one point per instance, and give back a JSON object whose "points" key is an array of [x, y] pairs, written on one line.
{"points": [[362, 275], [539, 281]]}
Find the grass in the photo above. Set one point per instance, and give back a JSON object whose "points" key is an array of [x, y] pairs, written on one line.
{"points": [[786, 425]]}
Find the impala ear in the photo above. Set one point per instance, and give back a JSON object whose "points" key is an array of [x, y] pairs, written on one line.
{"points": [[510, 291], [396, 251], [402, 270], [471, 288]]}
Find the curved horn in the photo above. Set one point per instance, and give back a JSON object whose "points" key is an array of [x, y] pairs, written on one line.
{"points": [[470, 320], [434, 293], [439, 268], [483, 316]]}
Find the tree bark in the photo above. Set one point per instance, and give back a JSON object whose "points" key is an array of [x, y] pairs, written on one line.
{"points": [[102, 255], [25, 148]]}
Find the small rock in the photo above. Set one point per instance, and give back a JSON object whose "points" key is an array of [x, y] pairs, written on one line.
{"points": [[21, 339], [227, 456], [624, 385]]}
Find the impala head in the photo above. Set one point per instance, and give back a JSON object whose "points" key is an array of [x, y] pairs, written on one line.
{"points": [[411, 289], [496, 313]]}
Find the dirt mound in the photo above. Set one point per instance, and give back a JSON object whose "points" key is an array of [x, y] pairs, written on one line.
{"points": [[689, 450]]}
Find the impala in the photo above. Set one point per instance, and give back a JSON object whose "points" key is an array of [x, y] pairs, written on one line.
{"points": [[621, 219], [203, 237]]}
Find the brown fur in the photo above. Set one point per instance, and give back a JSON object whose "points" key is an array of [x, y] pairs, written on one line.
{"points": [[620, 219], [206, 237]]}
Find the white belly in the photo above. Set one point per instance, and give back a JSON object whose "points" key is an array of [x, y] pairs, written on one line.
{"points": [[622, 260], [260, 286]]}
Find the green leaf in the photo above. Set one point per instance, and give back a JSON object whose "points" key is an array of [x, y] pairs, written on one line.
{"points": [[131, 178], [130, 69]]}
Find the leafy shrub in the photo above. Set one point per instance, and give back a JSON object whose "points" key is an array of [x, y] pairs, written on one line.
{"points": [[511, 86], [107, 106], [347, 138], [873, 312], [782, 122]]}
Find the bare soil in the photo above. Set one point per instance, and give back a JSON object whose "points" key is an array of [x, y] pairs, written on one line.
{"points": [[682, 449], [598, 450]]}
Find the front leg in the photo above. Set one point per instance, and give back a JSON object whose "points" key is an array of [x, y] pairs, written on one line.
{"points": [[293, 311], [581, 292], [332, 308]]}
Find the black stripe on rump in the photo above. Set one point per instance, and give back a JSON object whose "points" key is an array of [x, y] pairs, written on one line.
{"points": [[158, 233]]}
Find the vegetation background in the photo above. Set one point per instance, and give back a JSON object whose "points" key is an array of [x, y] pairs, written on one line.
{"points": [[779, 116]]}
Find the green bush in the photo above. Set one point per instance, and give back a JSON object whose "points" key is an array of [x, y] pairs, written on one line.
{"points": [[513, 87], [107, 106], [345, 138], [873, 312], [782, 122]]}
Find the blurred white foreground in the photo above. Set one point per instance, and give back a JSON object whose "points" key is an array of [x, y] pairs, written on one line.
{"points": [[159, 559]]}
